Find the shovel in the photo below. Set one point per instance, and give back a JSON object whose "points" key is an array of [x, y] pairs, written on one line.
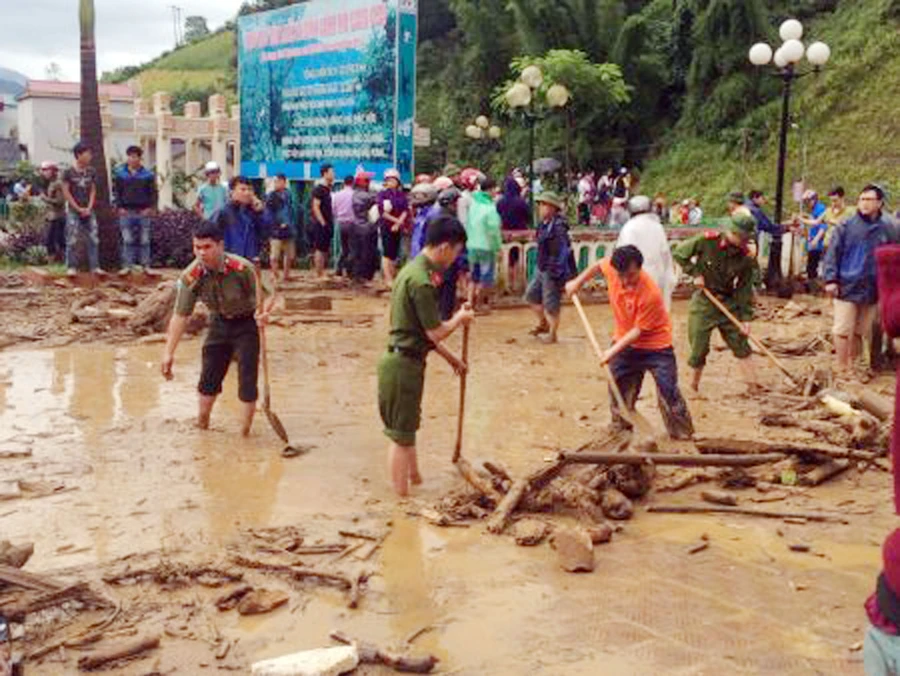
{"points": [[274, 421], [636, 420], [753, 339]]}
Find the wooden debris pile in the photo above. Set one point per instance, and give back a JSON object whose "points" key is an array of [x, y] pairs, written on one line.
{"points": [[603, 480], [263, 570]]}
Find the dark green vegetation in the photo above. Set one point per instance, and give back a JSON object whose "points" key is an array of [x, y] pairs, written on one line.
{"points": [[699, 119]]}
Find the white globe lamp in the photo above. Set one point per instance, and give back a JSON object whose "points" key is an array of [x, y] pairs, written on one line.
{"points": [[779, 59], [482, 122], [518, 96], [494, 132], [791, 30], [557, 96], [760, 54], [793, 51], [818, 54], [532, 77]]}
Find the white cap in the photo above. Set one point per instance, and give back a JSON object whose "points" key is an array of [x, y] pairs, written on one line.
{"points": [[47, 164], [211, 167], [392, 173]]}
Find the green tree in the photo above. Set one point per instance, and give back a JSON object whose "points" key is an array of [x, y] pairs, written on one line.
{"points": [[195, 28], [92, 131], [598, 95], [590, 26]]}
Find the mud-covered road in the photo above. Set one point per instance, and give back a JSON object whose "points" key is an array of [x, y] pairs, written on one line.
{"points": [[131, 475]]}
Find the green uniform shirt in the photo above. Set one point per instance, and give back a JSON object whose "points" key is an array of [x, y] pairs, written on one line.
{"points": [[229, 292], [414, 306], [727, 270]]}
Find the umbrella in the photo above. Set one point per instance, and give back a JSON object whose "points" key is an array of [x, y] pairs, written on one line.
{"points": [[546, 165]]}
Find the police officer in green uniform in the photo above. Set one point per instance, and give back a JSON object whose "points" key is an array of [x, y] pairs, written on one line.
{"points": [[228, 285], [416, 329], [723, 263]]}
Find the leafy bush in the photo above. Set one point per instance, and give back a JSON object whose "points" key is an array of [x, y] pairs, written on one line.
{"points": [[171, 241]]}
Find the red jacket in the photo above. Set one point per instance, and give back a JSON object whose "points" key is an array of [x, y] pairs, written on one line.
{"points": [[888, 261]]}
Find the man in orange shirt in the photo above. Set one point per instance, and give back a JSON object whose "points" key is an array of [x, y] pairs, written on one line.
{"points": [[642, 339]]}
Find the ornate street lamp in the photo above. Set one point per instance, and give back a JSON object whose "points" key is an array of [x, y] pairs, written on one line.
{"points": [[486, 134], [786, 60], [523, 96]]}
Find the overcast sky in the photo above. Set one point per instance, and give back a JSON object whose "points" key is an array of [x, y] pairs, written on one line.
{"points": [[34, 33]]}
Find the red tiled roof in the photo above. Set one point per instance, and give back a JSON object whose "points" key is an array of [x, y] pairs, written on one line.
{"points": [[72, 90]]}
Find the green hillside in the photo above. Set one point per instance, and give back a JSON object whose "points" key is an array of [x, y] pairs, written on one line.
{"points": [[845, 116], [189, 73]]}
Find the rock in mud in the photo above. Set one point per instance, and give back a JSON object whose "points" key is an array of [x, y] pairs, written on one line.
{"points": [[601, 534], [261, 601], [575, 549], [634, 481], [616, 506], [322, 662], [15, 556], [530, 532]]}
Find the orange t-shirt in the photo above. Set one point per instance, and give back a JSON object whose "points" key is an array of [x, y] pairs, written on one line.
{"points": [[642, 307]]}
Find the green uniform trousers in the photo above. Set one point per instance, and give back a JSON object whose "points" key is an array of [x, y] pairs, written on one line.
{"points": [[703, 319], [401, 381]]}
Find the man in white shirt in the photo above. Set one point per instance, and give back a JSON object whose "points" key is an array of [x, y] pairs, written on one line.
{"points": [[645, 231]]}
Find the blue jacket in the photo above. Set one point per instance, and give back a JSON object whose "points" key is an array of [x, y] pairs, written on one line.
{"points": [[134, 191], [280, 211], [850, 260], [244, 229], [763, 224], [554, 249]]}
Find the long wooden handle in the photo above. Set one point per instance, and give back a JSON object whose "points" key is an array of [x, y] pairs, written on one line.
{"points": [[460, 419], [753, 339], [264, 356], [617, 393]]}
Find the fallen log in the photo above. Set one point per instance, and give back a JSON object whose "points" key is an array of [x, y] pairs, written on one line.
{"points": [[746, 511], [40, 601], [19, 578], [676, 460], [118, 652], [719, 445], [500, 518], [372, 654], [823, 473], [874, 403], [479, 483]]}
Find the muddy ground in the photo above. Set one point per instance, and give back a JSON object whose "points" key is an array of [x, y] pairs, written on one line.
{"points": [[126, 480]]}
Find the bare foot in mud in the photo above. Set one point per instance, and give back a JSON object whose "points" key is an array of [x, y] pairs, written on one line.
{"points": [[550, 339], [415, 478], [203, 423]]}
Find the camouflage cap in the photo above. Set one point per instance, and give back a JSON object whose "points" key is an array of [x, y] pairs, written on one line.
{"points": [[743, 225]]}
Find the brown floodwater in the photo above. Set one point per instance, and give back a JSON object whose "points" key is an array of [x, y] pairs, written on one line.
{"points": [[101, 420]]}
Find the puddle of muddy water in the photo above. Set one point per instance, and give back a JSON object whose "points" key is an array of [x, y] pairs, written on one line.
{"points": [[102, 420]]}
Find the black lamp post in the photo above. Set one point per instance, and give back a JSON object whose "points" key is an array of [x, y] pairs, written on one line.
{"points": [[523, 96], [786, 59]]}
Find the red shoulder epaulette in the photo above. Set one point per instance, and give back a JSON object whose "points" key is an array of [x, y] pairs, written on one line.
{"points": [[436, 278], [233, 265], [197, 272], [711, 234]]}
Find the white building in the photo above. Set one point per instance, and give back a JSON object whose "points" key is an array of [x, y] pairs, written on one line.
{"points": [[45, 113]]}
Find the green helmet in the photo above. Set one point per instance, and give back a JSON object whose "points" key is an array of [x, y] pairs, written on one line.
{"points": [[743, 225]]}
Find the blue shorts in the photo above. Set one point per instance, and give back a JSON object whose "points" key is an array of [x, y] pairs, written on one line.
{"points": [[545, 291], [484, 267]]}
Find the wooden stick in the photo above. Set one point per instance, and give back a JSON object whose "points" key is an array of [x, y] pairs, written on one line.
{"points": [[457, 450], [753, 339], [716, 445], [687, 509], [500, 518], [118, 652], [675, 460], [631, 415], [372, 654], [475, 480]]}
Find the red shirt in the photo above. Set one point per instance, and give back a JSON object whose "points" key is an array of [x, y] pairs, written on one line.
{"points": [[642, 307]]}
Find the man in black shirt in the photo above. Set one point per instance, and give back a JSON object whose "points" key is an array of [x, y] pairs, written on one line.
{"points": [[322, 222], [80, 190]]}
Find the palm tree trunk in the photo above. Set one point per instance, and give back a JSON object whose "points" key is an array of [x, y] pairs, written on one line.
{"points": [[92, 134]]}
